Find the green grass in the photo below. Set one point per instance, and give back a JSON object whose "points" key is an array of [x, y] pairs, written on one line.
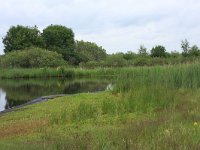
{"points": [[149, 108], [13, 73]]}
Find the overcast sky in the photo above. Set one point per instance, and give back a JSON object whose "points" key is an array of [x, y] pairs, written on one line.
{"points": [[117, 25]]}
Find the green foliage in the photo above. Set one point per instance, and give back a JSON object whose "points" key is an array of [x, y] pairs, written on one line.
{"points": [[31, 58], [142, 61], [12, 73], [89, 51], [20, 37], [73, 58], [158, 51], [115, 60], [118, 60], [185, 47], [194, 51], [180, 76], [85, 111], [60, 39], [129, 55], [142, 50], [58, 36], [91, 64], [54, 38], [189, 51]]}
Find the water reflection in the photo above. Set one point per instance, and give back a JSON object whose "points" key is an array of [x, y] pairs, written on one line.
{"points": [[3, 100], [17, 92]]}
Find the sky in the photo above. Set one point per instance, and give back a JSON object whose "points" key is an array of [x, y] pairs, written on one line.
{"points": [[116, 25]]}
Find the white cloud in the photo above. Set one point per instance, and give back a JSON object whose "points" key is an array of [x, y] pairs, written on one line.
{"points": [[116, 25]]}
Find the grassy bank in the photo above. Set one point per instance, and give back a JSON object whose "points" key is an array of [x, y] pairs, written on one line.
{"points": [[55, 72], [27, 73], [149, 108]]}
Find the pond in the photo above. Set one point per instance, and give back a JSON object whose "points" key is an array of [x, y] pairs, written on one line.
{"points": [[20, 91]]}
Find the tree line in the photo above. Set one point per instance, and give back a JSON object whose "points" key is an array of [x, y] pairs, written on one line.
{"points": [[56, 38], [55, 46]]}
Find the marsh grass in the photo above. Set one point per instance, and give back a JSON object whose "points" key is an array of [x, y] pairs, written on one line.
{"points": [[13, 73]]}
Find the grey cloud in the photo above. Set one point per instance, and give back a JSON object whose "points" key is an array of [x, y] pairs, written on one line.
{"points": [[116, 25]]}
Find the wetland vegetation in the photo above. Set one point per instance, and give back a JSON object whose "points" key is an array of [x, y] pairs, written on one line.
{"points": [[154, 108], [153, 102]]}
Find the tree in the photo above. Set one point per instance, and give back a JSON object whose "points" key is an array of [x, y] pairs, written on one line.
{"points": [[158, 51], [185, 47], [116, 60], [129, 55], [142, 50], [21, 37], [194, 51], [60, 39], [89, 51]]}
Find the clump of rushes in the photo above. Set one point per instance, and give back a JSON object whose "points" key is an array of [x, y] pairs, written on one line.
{"points": [[60, 71]]}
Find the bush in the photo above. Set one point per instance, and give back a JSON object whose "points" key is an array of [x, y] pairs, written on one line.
{"points": [[32, 58], [142, 61], [90, 64], [115, 60], [194, 51], [158, 51], [90, 51]]}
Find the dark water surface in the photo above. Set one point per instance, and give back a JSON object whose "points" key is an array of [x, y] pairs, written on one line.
{"points": [[20, 91]]}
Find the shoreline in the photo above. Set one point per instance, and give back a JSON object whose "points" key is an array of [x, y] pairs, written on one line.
{"points": [[39, 100], [34, 101]]}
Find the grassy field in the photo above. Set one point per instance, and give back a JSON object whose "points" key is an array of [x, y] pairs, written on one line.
{"points": [[149, 108]]}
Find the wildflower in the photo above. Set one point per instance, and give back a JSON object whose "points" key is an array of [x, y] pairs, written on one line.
{"points": [[195, 123]]}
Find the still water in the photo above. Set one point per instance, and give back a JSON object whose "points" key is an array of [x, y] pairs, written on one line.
{"points": [[17, 92]]}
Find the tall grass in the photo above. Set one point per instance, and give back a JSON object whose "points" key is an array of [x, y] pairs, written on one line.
{"points": [[149, 108], [181, 76], [143, 90], [147, 89], [55, 72]]}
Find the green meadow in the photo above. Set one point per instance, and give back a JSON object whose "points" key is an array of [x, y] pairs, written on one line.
{"points": [[148, 108]]}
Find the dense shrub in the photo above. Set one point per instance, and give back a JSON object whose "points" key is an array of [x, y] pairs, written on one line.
{"points": [[89, 51], [115, 60], [158, 51], [194, 51], [91, 64], [142, 61], [32, 58], [129, 55]]}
